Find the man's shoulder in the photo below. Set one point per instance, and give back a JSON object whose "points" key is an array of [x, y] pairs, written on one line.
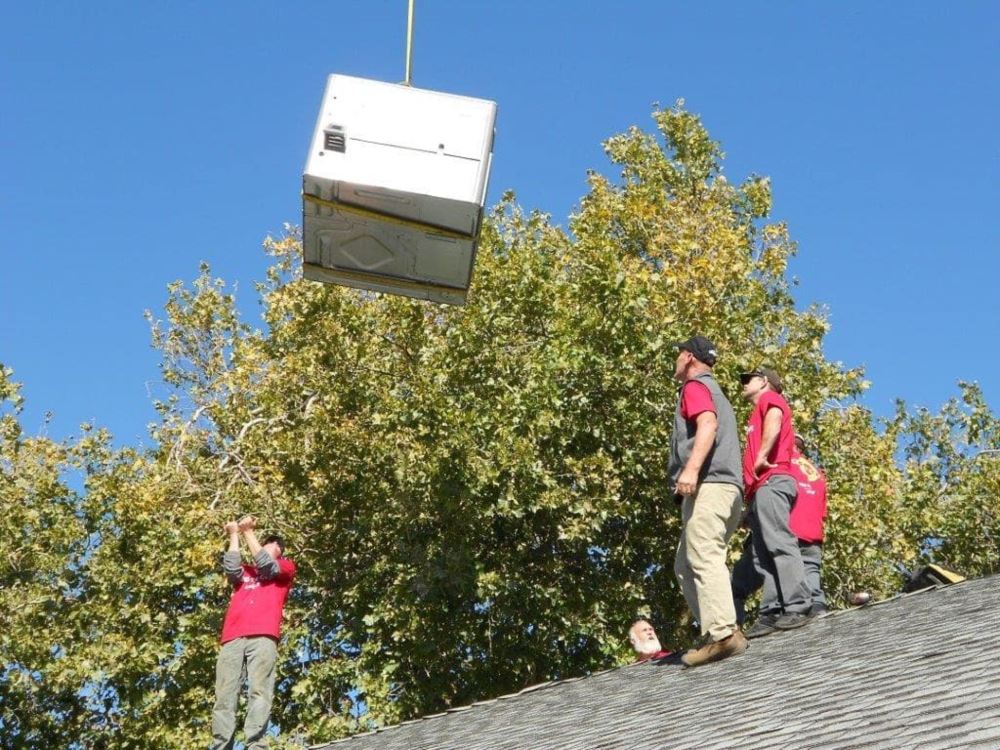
{"points": [[696, 399], [695, 385], [702, 377], [769, 399]]}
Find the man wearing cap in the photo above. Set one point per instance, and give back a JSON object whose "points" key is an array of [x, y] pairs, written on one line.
{"points": [[250, 633], [806, 522], [705, 470], [771, 491]]}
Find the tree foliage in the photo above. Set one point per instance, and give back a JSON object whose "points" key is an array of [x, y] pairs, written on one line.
{"points": [[476, 497], [951, 482]]}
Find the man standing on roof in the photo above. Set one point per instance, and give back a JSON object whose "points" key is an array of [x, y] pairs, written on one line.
{"points": [[771, 491], [705, 469], [644, 642], [806, 522], [250, 634]]}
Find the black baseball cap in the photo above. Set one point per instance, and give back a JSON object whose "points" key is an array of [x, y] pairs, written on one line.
{"points": [[764, 372], [702, 349]]}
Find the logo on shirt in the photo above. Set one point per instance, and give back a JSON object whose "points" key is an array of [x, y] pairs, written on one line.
{"points": [[250, 582], [805, 466]]}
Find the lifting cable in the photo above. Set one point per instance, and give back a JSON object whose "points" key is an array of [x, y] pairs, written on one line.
{"points": [[408, 81]]}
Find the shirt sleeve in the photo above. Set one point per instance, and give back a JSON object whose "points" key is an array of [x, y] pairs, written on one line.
{"points": [[769, 400], [695, 399], [267, 566], [232, 566]]}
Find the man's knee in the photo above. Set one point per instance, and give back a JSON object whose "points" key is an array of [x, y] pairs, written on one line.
{"points": [[229, 668], [261, 662], [705, 548]]}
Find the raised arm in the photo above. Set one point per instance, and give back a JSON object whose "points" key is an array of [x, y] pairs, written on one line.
{"points": [[231, 565], [267, 566]]}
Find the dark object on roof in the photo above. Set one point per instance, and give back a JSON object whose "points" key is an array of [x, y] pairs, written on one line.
{"points": [[917, 671], [930, 575]]}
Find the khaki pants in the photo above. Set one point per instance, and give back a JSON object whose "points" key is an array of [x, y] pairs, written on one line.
{"points": [[710, 517]]}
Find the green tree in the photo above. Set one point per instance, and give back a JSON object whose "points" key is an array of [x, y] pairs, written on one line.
{"points": [[476, 497], [45, 544], [952, 483]]}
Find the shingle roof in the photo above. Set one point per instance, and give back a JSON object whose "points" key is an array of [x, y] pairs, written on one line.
{"points": [[917, 671]]}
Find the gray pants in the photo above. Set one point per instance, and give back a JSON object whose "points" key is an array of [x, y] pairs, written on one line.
{"points": [[812, 559], [252, 659], [746, 579], [771, 556]]}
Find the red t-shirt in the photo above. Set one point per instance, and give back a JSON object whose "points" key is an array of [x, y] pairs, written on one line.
{"points": [[256, 606], [806, 518], [695, 399], [661, 654], [781, 451]]}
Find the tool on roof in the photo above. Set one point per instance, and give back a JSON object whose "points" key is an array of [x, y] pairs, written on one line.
{"points": [[929, 575]]}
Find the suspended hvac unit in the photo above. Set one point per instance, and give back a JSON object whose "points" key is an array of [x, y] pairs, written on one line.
{"points": [[393, 190]]}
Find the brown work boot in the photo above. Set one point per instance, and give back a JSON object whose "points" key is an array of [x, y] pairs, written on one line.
{"points": [[734, 645]]}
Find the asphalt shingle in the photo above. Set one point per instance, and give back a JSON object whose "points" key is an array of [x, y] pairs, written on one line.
{"points": [[914, 671]]}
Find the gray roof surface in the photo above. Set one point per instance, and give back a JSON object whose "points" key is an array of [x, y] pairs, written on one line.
{"points": [[917, 671]]}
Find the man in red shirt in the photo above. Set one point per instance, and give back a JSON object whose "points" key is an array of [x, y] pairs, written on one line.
{"points": [[806, 520], [250, 634], [775, 559]]}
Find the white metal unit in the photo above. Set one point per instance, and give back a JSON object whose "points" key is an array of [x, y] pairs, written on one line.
{"points": [[394, 187]]}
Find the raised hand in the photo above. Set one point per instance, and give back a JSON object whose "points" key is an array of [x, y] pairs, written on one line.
{"points": [[247, 523], [231, 527]]}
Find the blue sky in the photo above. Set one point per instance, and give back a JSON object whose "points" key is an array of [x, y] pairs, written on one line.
{"points": [[137, 139]]}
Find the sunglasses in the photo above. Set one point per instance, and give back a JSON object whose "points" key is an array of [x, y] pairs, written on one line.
{"points": [[746, 377]]}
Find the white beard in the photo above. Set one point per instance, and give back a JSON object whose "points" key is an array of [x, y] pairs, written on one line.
{"points": [[648, 647]]}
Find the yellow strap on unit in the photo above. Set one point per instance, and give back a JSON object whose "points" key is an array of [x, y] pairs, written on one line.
{"points": [[369, 214]]}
